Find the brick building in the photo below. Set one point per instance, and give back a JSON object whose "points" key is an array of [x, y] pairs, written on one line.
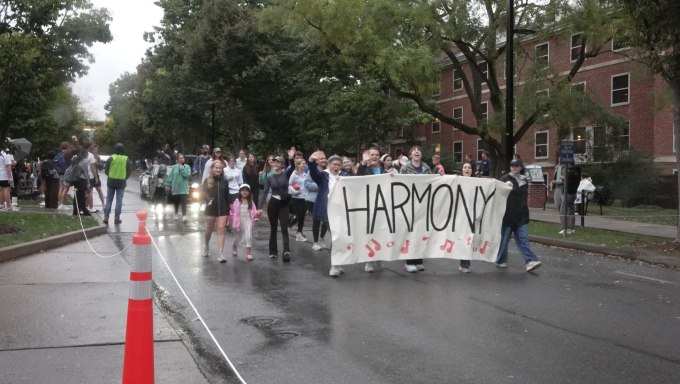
{"points": [[621, 84]]}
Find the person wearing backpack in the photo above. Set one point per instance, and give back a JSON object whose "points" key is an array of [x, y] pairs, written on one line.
{"points": [[78, 176], [60, 165], [118, 169], [50, 181]]}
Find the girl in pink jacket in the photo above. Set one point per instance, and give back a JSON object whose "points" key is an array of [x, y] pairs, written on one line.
{"points": [[242, 217]]}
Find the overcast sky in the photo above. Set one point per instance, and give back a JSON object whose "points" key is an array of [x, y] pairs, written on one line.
{"points": [[131, 18]]}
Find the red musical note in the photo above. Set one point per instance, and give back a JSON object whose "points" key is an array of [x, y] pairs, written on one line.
{"points": [[469, 239], [449, 243], [371, 252], [350, 246], [427, 239], [404, 250], [484, 248], [390, 244]]}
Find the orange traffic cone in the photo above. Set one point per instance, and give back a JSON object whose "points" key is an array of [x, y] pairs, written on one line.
{"points": [[138, 366]]}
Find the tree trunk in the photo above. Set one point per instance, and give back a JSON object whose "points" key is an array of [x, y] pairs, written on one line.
{"points": [[675, 91]]}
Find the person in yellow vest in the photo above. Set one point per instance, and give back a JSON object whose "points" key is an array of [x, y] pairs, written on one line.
{"points": [[118, 169]]}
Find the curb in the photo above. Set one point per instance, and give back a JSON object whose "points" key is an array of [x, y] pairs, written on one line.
{"points": [[670, 261], [37, 246]]}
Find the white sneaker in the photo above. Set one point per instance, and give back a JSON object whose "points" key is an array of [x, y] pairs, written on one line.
{"points": [[420, 267], [63, 207], [176, 216], [42, 204], [562, 232], [316, 247], [184, 218], [299, 237], [221, 259], [369, 267], [571, 231], [502, 265], [322, 243], [206, 251], [339, 268], [94, 210], [4, 209], [334, 272], [533, 265], [411, 268]]}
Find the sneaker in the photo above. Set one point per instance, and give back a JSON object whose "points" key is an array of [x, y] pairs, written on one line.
{"points": [[42, 204], [4, 209], [561, 232], [221, 259], [257, 219], [411, 268], [299, 237], [334, 272], [286, 257], [60, 207], [106, 220], [322, 243], [369, 267], [464, 270], [176, 216], [571, 231], [234, 252], [184, 218], [420, 267], [340, 269], [206, 251], [249, 258], [533, 265], [63, 207], [502, 265], [117, 221], [316, 247], [42, 196], [93, 210], [272, 256]]}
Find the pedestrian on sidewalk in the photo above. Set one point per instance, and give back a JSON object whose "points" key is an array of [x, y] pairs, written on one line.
{"points": [[466, 171], [278, 206], [325, 180], [516, 219], [318, 227], [251, 176], [6, 180], [557, 184], [177, 184], [567, 210], [242, 218], [61, 164], [82, 186], [216, 194], [98, 166], [299, 194], [234, 177], [199, 163], [50, 181], [118, 169]]}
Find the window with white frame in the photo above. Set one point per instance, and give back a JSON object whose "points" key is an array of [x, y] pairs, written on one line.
{"points": [[485, 110], [579, 87], [541, 145], [436, 126], [437, 148], [619, 44], [457, 80], [484, 69], [458, 115], [576, 46], [542, 100], [580, 137], [620, 89], [542, 55], [481, 147], [458, 151]]}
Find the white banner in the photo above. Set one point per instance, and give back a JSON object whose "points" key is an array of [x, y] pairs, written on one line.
{"points": [[415, 217]]}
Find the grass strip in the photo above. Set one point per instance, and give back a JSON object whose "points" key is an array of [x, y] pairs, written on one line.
{"points": [[37, 226]]}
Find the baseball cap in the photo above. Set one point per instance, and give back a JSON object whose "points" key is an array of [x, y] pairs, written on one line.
{"points": [[205, 146], [279, 159], [514, 162], [217, 150]]}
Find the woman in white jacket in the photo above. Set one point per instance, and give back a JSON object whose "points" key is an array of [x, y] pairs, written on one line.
{"points": [[585, 185]]}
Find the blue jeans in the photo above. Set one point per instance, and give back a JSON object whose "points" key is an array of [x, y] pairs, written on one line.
{"points": [[521, 239], [119, 192]]}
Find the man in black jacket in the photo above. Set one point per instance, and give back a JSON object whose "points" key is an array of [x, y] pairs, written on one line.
{"points": [[516, 219], [567, 209]]}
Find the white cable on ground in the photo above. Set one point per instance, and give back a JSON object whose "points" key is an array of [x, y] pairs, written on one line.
{"points": [[195, 310], [80, 220]]}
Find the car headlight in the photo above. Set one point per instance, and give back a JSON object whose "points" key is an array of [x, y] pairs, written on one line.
{"points": [[194, 185], [196, 194]]}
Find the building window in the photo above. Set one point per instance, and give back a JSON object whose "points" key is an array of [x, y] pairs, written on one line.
{"points": [[458, 151], [397, 153], [481, 147], [542, 100], [576, 46], [437, 148], [580, 137], [484, 69], [485, 110], [619, 44], [579, 87], [541, 145], [436, 126], [620, 89], [625, 137], [437, 89], [457, 80], [458, 115], [542, 55]]}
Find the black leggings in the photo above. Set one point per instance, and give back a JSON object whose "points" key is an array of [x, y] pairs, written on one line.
{"points": [[316, 224], [81, 197], [299, 208], [180, 200], [278, 212]]}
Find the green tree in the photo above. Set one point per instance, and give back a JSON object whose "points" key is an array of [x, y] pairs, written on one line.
{"points": [[43, 46], [652, 26], [405, 43]]}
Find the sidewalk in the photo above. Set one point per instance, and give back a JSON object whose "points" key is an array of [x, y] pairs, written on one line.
{"points": [[64, 315], [550, 215]]}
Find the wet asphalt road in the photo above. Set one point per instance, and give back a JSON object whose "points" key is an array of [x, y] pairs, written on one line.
{"points": [[581, 318]]}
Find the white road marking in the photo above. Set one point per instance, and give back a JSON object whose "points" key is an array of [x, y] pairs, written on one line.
{"points": [[648, 278]]}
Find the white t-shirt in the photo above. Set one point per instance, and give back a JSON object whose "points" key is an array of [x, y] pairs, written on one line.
{"points": [[90, 160], [5, 159], [237, 180], [241, 163]]}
